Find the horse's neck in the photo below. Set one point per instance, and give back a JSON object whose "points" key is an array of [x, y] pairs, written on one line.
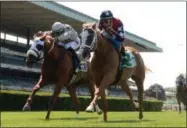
{"points": [[51, 54], [48, 59], [104, 48]]}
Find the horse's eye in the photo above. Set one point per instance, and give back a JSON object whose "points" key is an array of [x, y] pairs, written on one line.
{"points": [[39, 47]]}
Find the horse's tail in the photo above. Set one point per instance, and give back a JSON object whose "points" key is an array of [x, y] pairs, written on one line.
{"points": [[147, 69], [137, 52]]}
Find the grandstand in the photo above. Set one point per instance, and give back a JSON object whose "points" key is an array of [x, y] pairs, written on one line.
{"points": [[19, 20]]}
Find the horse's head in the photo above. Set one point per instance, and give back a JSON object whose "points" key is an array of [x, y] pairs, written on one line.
{"points": [[89, 36], [36, 51]]}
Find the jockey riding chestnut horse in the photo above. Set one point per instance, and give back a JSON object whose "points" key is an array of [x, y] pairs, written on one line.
{"points": [[111, 64], [57, 68]]}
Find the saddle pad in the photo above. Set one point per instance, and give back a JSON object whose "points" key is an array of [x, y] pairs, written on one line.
{"points": [[73, 78], [83, 67], [128, 61]]}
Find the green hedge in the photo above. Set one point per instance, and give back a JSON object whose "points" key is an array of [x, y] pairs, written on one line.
{"points": [[15, 101]]}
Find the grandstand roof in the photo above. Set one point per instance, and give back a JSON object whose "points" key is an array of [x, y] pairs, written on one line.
{"points": [[18, 18]]}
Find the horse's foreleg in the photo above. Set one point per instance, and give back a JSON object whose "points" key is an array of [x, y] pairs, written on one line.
{"points": [[28, 103], [93, 103], [105, 104], [52, 102], [72, 93], [92, 88], [107, 80], [179, 103]]}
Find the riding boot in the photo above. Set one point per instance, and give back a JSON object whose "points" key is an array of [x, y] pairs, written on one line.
{"points": [[123, 52], [75, 57]]}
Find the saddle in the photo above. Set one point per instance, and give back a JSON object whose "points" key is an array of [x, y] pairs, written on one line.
{"points": [[78, 66]]}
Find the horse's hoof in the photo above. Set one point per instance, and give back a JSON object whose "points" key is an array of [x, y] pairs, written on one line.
{"points": [[140, 117], [47, 118], [26, 108], [105, 120], [99, 112], [76, 116], [136, 105], [90, 109]]}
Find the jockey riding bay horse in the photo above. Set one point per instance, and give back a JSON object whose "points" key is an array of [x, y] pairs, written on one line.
{"points": [[181, 92], [57, 68], [108, 67]]}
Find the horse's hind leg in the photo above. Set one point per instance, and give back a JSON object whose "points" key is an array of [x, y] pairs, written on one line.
{"points": [[36, 88], [124, 85], [139, 84], [127, 90]]}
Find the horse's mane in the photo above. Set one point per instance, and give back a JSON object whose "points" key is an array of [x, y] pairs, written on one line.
{"points": [[131, 49], [88, 25], [38, 34], [93, 26], [41, 33]]}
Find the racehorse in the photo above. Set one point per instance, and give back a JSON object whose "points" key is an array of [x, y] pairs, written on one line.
{"points": [[57, 68], [105, 67], [181, 92]]}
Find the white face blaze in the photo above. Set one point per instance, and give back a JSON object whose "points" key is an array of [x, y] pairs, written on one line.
{"points": [[35, 48], [84, 36], [88, 39]]}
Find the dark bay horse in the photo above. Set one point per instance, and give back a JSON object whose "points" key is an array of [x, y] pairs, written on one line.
{"points": [[104, 68], [57, 68], [181, 91]]}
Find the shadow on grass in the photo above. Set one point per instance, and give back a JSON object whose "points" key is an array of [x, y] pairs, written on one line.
{"points": [[71, 118], [128, 121]]}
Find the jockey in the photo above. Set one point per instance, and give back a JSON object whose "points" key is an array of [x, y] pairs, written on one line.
{"points": [[112, 29], [68, 37]]}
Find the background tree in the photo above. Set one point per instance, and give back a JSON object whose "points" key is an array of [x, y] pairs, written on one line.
{"points": [[156, 91]]}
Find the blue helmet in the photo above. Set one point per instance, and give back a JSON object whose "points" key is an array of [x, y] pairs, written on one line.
{"points": [[106, 15]]}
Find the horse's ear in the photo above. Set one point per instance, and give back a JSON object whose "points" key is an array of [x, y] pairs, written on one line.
{"points": [[84, 25], [94, 26], [43, 38]]}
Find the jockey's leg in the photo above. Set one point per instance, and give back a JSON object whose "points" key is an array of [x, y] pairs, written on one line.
{"points": [[73, 44], [82, 54], [117, 44]]}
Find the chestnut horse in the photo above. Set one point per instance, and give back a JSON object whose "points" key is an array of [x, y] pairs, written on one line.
{"points": [[57, 68], [105, 65]]}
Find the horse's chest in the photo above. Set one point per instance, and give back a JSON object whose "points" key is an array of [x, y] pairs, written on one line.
{"points": [[49, 69], [97, 65]]}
